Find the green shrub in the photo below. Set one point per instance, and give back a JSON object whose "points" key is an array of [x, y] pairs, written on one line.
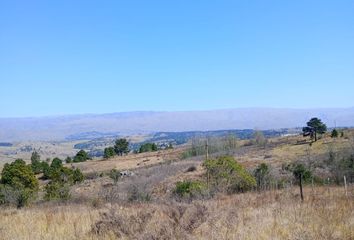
{"points": [[262, 175], [56, 190], [299, 170], [190, 189], [334, 133], [18, 183], [77, 176], [81, 156], [109, 152], [57, 163], [225, 174]]}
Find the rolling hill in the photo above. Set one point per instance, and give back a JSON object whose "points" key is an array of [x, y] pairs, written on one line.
{"points": [[126, 123]]}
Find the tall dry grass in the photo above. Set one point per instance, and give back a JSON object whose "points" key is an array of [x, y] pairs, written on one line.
{"points": [[325, 214]]}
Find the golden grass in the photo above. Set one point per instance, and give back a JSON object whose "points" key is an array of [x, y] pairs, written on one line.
{"points": [[130, 161], [267, 215]]}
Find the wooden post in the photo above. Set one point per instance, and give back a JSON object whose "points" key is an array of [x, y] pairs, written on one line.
{"points": [[313, 190], [345, 187], [206, 150], [301, 193]]}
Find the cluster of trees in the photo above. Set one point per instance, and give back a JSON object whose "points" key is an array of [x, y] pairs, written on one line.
{"points": [[61, 178], [148, 147], [19, 184], [121, 147]]}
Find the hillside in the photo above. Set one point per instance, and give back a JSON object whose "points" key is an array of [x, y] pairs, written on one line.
{"points": [[143, 204]]}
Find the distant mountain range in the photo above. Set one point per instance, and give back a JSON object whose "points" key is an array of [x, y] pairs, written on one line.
{"points": [[126, 123]]}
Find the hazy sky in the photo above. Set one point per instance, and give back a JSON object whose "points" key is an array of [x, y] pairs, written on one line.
{"points": [[59, 57]]}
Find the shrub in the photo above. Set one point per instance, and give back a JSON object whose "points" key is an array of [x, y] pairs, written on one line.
{"points": [[299, 170], [19, 175], [68, 160], [259, 139], [19, 183], [135, 194], [109, 152], [56, 190], [225, 174], [261, 174], [190, 189], [115, 175], [334, 133], [77, 176], [81, 156]]}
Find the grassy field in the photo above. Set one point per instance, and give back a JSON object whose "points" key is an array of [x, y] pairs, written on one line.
{"points": [[325, 214]]}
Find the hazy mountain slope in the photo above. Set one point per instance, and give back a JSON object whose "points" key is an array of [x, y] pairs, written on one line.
{"points": [[59, 127]]}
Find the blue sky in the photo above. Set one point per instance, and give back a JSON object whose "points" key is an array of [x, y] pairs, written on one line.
{"points": [[70, 57]]}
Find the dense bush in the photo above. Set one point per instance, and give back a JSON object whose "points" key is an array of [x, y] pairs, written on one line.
{"points": [[190, 189], [225, 174], [56, 190], [18, 183]]}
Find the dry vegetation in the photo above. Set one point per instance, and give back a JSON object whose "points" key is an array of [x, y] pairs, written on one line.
{"points": [[326, 214], [99, 208]]}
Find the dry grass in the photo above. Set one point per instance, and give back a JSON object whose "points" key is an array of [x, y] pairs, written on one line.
{"points": [[130, 161], [268, 215]]}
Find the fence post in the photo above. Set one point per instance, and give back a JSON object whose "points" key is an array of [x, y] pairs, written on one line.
{"points": [[301, 193], [345, 187]]}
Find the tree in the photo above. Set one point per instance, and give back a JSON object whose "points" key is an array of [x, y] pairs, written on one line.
{"points": [[68, 160], [334, 133], [314, 127], [56, 190], [109, 152], [115, 175], [121, 146], [148, 147], [35, 157], [301, 174], [261, 174], [36, 163], [57, 163], [81, 156], [19, 182], [259, 139]]}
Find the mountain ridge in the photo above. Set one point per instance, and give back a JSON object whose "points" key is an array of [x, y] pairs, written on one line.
{"points": [[125, 123]]}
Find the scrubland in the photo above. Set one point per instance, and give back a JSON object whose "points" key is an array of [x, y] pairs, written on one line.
{"points": [[100, 208]]}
